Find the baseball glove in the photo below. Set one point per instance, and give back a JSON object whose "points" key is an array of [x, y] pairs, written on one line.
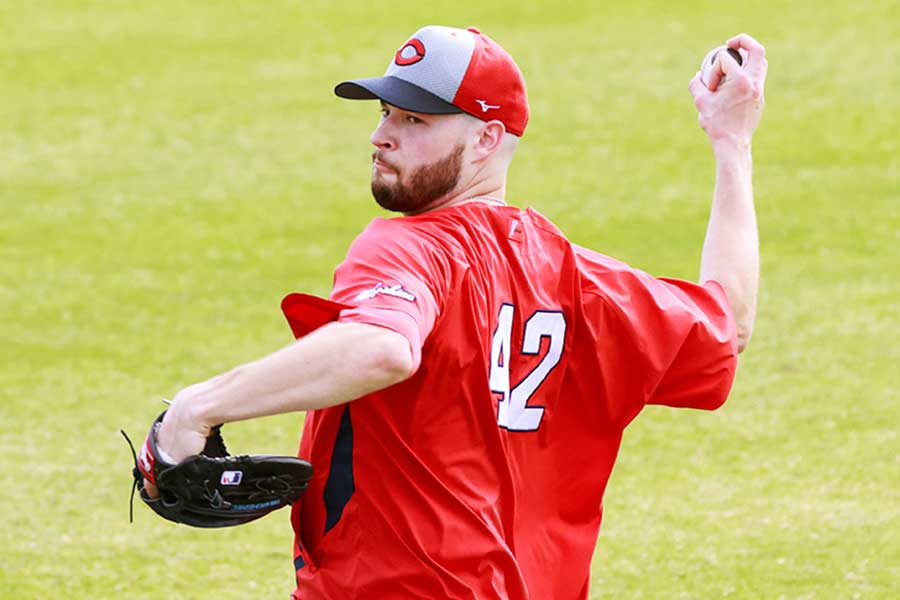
{"points": [[213, 488]]}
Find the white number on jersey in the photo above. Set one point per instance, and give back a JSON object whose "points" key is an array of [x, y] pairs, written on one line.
{"points": [[513, 412]]}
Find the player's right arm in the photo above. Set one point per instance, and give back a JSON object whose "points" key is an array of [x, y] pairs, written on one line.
{"points": [[730, 115], [388, 286], [332, 365]]}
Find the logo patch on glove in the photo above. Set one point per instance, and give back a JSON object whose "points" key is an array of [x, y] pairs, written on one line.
{"points": [[214, 488], [232, 477]]}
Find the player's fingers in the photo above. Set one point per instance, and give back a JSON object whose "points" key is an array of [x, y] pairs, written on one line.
{"points": [[151, 490], [756, 64], [759, 75], [748, 43], [724, 66], [697, 88], [745, 81], [740, 84], [727, 65]]}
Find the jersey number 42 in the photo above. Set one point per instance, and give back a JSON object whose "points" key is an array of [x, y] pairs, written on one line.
{"points": [[514, 413]]}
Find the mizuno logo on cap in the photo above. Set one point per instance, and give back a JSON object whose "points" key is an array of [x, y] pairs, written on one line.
{"points": [[485, 106]]}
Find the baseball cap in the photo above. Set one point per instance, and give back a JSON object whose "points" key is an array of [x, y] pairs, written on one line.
{"points": [[444, 70]]}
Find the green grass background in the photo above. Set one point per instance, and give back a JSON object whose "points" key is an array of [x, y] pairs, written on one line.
{"points": [[169, 170]]}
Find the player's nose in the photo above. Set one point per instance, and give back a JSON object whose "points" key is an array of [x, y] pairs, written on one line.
{"points": [[381, 138]]}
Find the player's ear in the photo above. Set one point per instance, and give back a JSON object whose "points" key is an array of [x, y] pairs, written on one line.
{"points": [[488, 138]]}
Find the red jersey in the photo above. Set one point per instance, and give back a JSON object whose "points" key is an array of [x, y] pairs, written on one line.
{"points": [[482, 475]]}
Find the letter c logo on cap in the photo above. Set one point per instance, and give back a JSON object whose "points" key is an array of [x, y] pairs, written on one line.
{"points": [[410, 53]]}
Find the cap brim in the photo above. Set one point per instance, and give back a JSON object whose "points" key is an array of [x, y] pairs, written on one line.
{"points": [[397, 92]]}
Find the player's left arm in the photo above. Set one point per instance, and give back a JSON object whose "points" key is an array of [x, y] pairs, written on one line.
{"points": [[730, 116]]}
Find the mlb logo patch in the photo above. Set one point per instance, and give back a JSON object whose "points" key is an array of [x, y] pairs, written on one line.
{"points": [[232, 477]]}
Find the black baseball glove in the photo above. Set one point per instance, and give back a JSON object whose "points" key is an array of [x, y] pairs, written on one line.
{"points": [[213, 488]]}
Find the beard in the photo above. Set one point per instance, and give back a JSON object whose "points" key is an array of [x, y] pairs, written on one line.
{"points": [[425, 185]]}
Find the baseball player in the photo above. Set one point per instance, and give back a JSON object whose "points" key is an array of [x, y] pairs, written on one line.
{"points": [[469, 378]]}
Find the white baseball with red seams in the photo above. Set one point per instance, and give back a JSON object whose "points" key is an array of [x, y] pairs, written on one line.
{"points": [[709, 62]]}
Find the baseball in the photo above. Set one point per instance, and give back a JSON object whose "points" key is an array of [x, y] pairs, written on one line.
{"points": [[706, 67]]}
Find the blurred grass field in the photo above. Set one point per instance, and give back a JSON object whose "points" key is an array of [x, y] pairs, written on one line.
{"points": [[169, 170]]}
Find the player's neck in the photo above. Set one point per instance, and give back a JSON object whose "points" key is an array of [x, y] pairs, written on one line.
{"points": [[489, 196], [485, 194]]}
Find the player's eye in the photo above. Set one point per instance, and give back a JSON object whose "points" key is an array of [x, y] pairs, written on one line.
{"points": [[414, 120]]}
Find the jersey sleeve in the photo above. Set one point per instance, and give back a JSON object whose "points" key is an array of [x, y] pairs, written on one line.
{"points": [[658, 341], [702, 370], [393, 277]]}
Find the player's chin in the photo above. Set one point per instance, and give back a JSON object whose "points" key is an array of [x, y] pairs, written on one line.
{"points": [[385, 184], [384, 177]]}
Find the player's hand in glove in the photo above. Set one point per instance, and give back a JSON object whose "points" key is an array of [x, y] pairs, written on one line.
{"points": [[180, 435], [213, 488]]}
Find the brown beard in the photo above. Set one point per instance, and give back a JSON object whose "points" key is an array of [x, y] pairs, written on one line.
{"points": [[427, 184]]}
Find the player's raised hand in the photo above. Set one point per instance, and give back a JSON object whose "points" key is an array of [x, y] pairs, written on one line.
{"points": [[731, 107]]}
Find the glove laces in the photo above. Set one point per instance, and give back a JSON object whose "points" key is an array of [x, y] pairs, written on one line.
{"points": [[136, 473]]}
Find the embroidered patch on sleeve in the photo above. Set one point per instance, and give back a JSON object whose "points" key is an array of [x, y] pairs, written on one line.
{"points": [[397, 291]]}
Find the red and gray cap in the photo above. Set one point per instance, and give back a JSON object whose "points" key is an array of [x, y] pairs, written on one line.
{"points": [[443, 70]]}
